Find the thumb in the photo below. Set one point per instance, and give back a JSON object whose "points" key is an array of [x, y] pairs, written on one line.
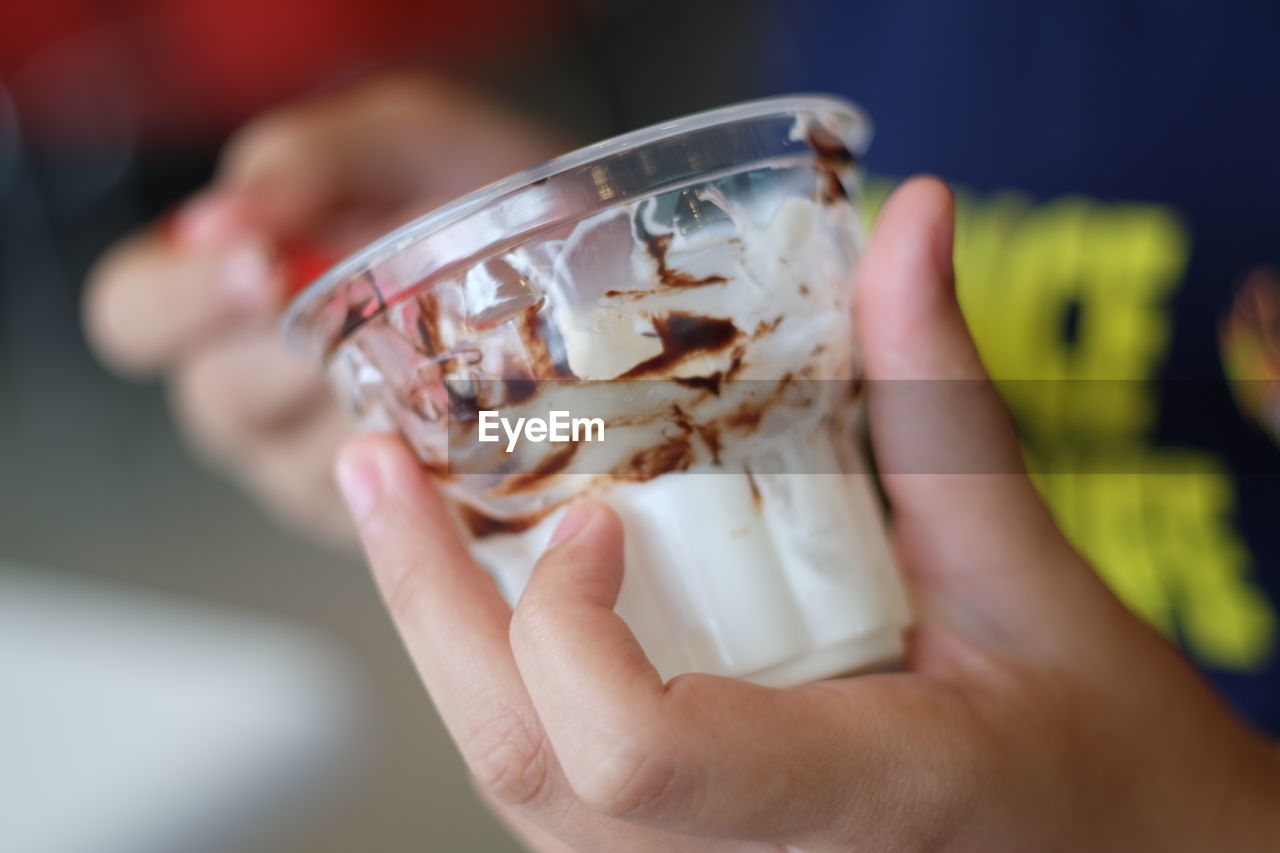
{"points": [[976, 540]]}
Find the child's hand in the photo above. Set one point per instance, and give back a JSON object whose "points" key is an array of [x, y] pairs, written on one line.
{"points": [[1035, 713]]}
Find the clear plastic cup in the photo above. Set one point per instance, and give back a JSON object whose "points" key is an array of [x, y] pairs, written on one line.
{"points": [[690, 286]]}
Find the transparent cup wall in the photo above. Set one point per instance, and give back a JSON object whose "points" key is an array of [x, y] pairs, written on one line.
{"points": [[709, 325]]}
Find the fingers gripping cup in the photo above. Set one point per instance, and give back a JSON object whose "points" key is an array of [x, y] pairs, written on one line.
{"points": [[663, 321]]}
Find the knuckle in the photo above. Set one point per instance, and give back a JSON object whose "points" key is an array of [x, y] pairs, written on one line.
{"points": [[403, 90], [207, 406], [403, 591], [632, 776], [508, 755], [308, 504], [276, 137], [530, 621], [394, 90]]}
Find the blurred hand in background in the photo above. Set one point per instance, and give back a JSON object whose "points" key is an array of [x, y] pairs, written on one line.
{"points": [[197, 298]]}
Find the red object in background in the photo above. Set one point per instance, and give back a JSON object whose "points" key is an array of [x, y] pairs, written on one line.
{"points": [[301, 261], [197, 68], [303, 264]]}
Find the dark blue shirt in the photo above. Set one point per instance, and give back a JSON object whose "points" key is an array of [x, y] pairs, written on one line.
{"points": [[1117, 166]]}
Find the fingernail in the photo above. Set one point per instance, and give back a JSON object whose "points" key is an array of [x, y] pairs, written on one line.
{"points": [[206, 221], [574, 520], [360, 481], [245, 276]]}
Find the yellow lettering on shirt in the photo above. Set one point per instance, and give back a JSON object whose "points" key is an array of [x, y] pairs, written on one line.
{"points": [[1157, 527], [1068, 303]]}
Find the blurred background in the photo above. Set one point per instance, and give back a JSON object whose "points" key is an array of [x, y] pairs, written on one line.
{"points": [[178, 671]]}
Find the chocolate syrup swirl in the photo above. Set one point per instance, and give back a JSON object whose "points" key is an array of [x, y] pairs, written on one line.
{"points": [[683, 334]]}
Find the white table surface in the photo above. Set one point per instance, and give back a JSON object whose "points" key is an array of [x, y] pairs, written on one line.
{"points": [[132, 721]]}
